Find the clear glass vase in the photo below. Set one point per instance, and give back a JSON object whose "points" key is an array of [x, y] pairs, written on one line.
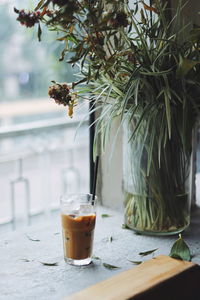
{"points": [[156, 190]]}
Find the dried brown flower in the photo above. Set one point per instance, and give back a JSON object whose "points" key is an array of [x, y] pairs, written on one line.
{"points": [[29, 19], [120, 19], [61, 94]]}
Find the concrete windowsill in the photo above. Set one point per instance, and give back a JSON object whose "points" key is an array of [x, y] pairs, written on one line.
{"points": [[23, 277]]}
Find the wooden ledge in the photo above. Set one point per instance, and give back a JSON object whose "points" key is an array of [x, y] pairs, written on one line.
{"points": [[161, 278]]}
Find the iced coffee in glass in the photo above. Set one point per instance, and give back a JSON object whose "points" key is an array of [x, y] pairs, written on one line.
{"points": [[78, 217]]}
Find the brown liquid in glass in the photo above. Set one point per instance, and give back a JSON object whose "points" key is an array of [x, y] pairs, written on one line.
{"points": [[78, 235]]}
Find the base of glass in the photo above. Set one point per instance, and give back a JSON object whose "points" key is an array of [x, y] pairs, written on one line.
{"points": [[78, 262], [158, 233]]}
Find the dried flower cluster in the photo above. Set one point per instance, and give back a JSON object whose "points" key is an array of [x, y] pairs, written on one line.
{"points": [[29, 19], [88, 29], [62, 94], [118, 19]]}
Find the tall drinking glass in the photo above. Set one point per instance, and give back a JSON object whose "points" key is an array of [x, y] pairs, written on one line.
{"points": [[78, 217]]}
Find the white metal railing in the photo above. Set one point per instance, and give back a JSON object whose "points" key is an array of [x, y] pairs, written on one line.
{"points": [[38, 126], [34, 129]]}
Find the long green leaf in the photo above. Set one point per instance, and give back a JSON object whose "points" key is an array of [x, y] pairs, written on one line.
{"points": [[168, 111], [39, 5], [39, 32]]}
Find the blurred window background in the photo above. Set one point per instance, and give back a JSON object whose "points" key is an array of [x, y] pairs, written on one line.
{"points": [[40, 157]]}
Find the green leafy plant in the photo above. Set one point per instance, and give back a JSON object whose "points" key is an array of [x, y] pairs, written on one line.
{"points": [[140, 64]]}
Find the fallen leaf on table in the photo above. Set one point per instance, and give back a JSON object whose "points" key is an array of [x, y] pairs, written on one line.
{"points": [[105, 216], [110, 239], [49, 264], [108, 266], [180, 250], [31, 239], [136, 262], [147, 252], [26, 260]]}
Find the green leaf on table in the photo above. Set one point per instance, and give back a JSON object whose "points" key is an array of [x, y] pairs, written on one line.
{"points": [[31, 239], [110, 239], [180, 250], [105, 216], [147, 252], [135, 262], [111, 267], [49, 264], [26, 260]]}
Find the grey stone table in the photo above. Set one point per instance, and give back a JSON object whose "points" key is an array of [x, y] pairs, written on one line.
{"points": [[24, 277]]}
